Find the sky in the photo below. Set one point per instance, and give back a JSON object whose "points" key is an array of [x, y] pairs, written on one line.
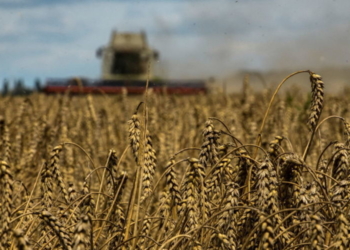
{"points": [[195, 38]]}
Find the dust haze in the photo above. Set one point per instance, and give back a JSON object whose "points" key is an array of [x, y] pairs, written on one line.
{"points": [[270, 39]]}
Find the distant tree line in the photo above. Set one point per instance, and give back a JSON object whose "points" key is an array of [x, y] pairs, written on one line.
{"points": [[19, 88]]}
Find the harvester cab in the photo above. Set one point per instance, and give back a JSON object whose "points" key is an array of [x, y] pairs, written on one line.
{"points": [[127, 57]]}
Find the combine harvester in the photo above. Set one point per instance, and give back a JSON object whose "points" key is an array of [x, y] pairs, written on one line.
{"points": [[127, 63]]}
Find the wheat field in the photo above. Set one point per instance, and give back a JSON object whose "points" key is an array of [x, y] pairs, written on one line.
{"points": [[250, 170]]}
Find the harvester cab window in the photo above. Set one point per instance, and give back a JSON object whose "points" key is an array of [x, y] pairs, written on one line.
{"points": [[128, 63]]}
